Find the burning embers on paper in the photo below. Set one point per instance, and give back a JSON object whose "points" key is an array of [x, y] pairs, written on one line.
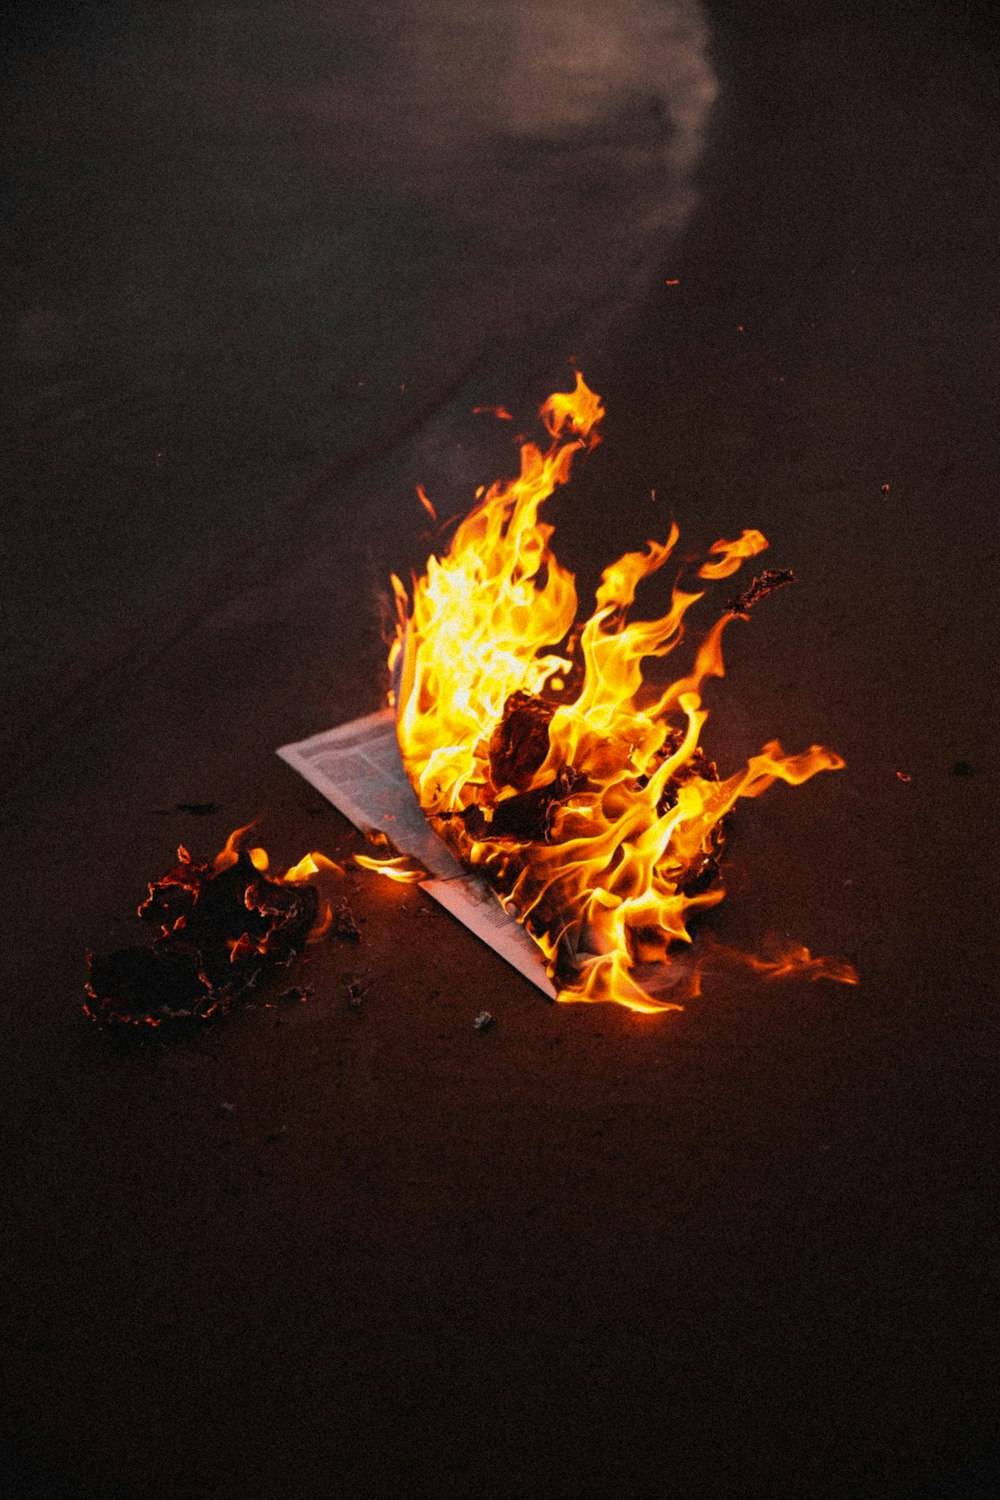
{"points": [[221, 926], [543, 757]]}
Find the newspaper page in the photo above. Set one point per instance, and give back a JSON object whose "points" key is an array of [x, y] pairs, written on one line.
{"points": [[358, 768]]}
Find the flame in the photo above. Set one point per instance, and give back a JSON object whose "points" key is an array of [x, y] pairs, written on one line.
{"points": [[425, 502], [220, 925], [502, 414], [791, 958], [316, 869], [540, 752], [733, 554], [400, 868], [231, 850], [309, 867]]}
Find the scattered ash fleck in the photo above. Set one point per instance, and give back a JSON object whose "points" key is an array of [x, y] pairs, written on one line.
{"points": [[301, 992], [344, 925], [355, 991], [483, 1021]]}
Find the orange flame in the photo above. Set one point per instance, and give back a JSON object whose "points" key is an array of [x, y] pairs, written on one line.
{"points": [[231, 851], [428, 506], [594, 812], [733, 554], [500, 412], [795, 959], [314, 867]]}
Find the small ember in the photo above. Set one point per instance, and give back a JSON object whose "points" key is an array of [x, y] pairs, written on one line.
{"points": [[766, 583]]}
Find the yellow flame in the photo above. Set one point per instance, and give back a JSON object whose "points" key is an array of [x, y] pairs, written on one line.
{"points": [[316, 869], [309, 867], [622, 853], [400, 868]]}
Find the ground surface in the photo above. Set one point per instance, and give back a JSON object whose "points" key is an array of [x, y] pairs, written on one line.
{"points": [[261, 261]]}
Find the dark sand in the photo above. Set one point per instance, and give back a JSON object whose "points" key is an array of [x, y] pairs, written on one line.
{"points": [[260, 264]]}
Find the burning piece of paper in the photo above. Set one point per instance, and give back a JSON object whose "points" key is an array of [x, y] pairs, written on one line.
{"points": [[357, 766], [539, 753], [222, 925]]}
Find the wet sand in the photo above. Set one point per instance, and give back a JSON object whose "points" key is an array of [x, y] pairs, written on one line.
{"points": [[260, 269]]}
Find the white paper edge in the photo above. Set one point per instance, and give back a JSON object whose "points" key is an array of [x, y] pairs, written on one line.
{"points": [[464, 896]]}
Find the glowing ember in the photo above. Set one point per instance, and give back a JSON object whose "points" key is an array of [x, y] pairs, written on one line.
{"points": [[222, 925], [541, 755]]}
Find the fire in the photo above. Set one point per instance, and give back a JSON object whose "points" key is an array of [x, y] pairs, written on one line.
{"points": [[399, 868], [425, 502], [538, 750], [220, 925]]}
